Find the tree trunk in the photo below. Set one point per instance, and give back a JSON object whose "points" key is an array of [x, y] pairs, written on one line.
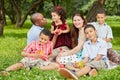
{"points": [[11, 12], [91, 15], [26, 14], [3, 8], [17, 8], [1, 18]]}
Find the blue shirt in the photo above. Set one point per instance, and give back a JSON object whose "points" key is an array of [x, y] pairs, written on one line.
{"points": [[33, 33], [91, 50]]}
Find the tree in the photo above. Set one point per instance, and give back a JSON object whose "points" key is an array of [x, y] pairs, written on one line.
{"points": [[112, 7], [1, 17], [97, 5], [17, 7]]}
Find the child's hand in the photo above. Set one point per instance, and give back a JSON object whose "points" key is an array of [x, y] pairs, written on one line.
{"points": [[39, 53], [76, 64], [57, 31], [79, 64]]}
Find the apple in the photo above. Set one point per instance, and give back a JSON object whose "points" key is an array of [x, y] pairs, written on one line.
{"points": [[57, 31]]}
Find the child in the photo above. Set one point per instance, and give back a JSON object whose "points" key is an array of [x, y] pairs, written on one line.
{"points": [[35, 54], [94, 55], [60, 30], [105, 32]]}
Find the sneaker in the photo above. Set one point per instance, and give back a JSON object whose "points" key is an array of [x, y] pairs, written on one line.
{"points": [[4, 73], [68, 73], [93, 72]]}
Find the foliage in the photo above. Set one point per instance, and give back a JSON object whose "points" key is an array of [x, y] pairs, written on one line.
{"points": [[87, 6], [47, 8], [14, 40], [112, 7]]}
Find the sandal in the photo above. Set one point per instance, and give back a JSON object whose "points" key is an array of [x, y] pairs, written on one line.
{"points": [[4, 73], [68, 73]]}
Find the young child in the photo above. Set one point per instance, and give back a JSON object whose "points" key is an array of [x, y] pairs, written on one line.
{"points": [[36, 53], [94, 55], [105, 32], [60, 30]]}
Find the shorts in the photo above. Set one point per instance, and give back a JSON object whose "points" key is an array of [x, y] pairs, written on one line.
{"points": [[97, 64], [30, 62]]}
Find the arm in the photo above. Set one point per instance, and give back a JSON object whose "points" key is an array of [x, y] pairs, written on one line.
{"points": [[85, 60], [52, 29], [107, 39], [98, 57], [30, 55], [54, 39]]}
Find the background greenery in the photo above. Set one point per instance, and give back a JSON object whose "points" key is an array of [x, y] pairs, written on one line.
{"points": [[14, 40]]}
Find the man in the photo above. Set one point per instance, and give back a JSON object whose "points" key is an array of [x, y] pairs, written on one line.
{"points": [[38, 21]]}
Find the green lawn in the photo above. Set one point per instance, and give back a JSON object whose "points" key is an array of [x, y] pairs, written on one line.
{"points": [[14, 40]]}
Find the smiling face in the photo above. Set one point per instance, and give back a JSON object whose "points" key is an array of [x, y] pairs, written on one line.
{"points": [[101, 18], [78, 21], [90, 33], [43, 38], [55, 16]]}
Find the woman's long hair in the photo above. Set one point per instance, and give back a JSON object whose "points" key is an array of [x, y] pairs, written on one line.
{"points": [[75, 31]]}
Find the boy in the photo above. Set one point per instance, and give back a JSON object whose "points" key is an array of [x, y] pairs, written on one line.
{"points": [[94, 55], [35, 54], [105, 32]]}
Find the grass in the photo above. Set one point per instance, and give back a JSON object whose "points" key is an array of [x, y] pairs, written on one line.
{"points": [[14, 40]]}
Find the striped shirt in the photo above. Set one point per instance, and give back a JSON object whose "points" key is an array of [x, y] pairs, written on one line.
{"points": [[36, 48]]}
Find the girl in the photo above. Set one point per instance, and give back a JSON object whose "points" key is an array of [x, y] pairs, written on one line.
{"points": [[60, 31]]}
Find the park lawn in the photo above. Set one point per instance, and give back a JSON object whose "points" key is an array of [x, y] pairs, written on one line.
{"points": [[14, 40]]}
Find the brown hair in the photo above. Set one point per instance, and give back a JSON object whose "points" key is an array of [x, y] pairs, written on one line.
{"points": [[89, 26], [61, 12], [74, 31], [45, 32], [102, 11]]}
